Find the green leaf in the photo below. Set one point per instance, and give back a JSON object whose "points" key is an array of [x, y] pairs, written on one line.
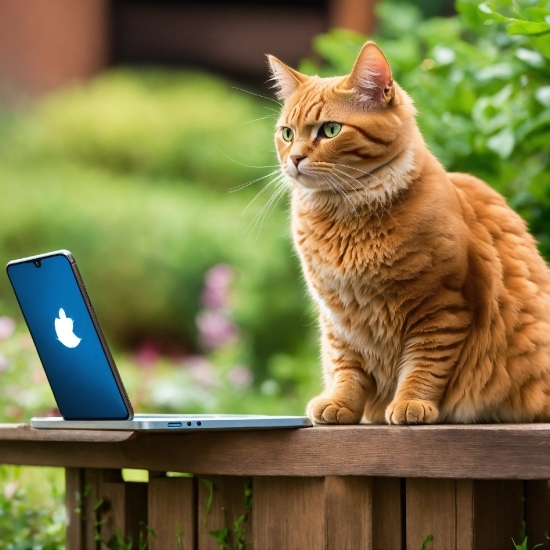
{"points": [[542, 43], [427, 541], [398, 19], [237, 524], [220, 536], [543, 95], [534, 124], [502, 143], [210, 499], [531, 57], [528, 27], [485, 8], [444, 55], [535, 14]]}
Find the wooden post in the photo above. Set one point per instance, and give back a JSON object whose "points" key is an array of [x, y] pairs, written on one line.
{"points": [[537, 513], [356, 15], [219, 508], [498, 513], [348, 516], [387, 513], [463, 514], [288, 512], [172, 512], [124, 507], [431, 510], [74, 487]]}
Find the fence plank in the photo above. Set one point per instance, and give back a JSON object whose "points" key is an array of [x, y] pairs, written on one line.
{"points": [[537, 512], [288, 513], [387, 519], [124, 507], [465, 514], [172, 512], [348, 512], [74, 487], [227, 505], [431, 510], [498, 512], [90, 496]]}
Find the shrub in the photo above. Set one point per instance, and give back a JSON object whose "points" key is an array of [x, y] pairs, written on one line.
{"points": [[151, 122], [483, 95], [143, 250]]}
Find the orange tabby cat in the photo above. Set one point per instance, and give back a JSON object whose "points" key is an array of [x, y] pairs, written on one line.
{"points": [[434, 302]]}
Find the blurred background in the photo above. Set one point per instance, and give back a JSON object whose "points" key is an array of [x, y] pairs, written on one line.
{"points": [[139, 135]]}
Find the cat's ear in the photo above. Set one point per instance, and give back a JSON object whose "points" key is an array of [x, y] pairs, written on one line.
{"points": [[371, 75], [285, 80]]}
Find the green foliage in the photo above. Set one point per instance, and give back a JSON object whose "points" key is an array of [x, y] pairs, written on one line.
{"points": [[155, 123], [224, 537], [427, 542], [144, 249], [523, 545], [482, 93], [32, 512], [24, 391]]}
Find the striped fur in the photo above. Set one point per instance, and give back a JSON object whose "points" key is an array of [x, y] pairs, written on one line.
{"points": [[433, 300]]}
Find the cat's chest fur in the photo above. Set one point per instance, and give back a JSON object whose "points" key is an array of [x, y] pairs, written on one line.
{"points": [[348, 265]]}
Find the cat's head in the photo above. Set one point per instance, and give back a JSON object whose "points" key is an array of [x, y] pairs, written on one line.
{"points": [[333, 133]]}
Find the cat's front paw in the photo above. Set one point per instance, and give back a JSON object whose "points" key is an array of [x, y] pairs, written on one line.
{"points": [[414, 411], [327, 411]]}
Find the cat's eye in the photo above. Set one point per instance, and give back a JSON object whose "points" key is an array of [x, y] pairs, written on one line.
{"points": [[288, 134], [330, 129]]}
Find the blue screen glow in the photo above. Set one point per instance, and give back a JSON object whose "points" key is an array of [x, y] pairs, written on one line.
{"points": [[69, 347]]}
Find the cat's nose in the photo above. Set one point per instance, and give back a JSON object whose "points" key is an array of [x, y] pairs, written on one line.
{"points": [[296, 159]]}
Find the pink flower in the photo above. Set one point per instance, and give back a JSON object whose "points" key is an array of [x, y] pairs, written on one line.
{"points": [[202, 372], [147, 354], [4, 363], [10, 489], [216, 329], [216, 287], [7, 327], [240, 377]]}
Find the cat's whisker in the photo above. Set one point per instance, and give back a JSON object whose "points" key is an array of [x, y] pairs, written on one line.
{"points": [[271, 205], [256, 119], [376, 198], [263, 211], [361, 185], [344, 195], [242, 186], [370, 173], [247, 165], [277, 179], [257, 95], [368, 191]]}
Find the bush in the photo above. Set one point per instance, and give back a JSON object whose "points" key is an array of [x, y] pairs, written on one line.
{"points": [[144, 249], [156, 123], [482, 94]]}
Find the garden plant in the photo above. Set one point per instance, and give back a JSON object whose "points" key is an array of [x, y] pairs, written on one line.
{"points": [[197, 287]]}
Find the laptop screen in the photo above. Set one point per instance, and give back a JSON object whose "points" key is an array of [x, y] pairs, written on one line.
{"points": [[76, 364]]}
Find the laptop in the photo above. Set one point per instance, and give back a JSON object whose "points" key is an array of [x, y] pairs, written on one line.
{"points": [[79, 366]]}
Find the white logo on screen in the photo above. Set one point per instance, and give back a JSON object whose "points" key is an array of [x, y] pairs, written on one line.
{"points": [[64, 331]]}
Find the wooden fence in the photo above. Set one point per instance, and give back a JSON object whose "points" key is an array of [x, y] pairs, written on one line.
{"points": [[355, 487]]}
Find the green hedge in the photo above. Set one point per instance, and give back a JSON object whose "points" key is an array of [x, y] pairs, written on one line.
{"points": [[175, 124], [144, 248], [482, 94]]}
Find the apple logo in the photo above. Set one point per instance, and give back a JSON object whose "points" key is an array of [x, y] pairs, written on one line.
{"points": [[64, 331]]}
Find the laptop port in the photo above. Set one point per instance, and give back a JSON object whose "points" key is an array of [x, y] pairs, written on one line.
{"points": [[174, 424]]}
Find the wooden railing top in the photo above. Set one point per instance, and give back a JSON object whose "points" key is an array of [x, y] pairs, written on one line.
{"points": [[502, 451]]}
